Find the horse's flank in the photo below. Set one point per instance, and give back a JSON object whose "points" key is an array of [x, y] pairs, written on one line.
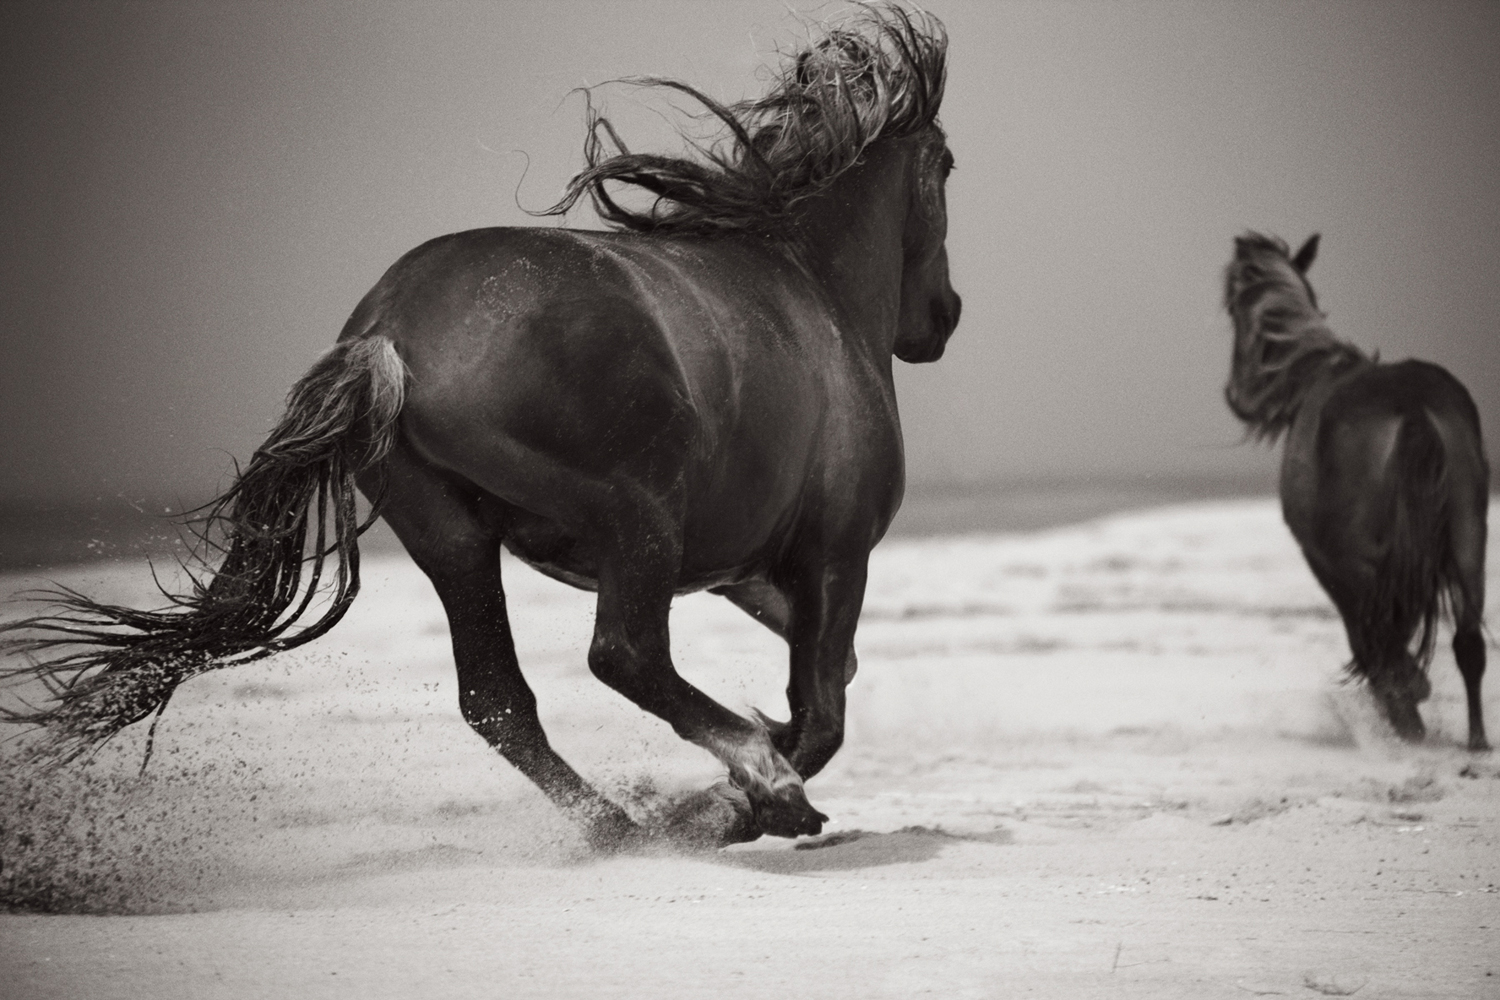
{"points": [[726, 348]]}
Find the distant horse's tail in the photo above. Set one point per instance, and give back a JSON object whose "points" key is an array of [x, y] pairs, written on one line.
{"points": [[117, 665], [1417, 572]]}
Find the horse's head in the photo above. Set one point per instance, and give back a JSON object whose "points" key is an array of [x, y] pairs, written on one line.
{"points": [[929, 305], [1264, 268], [1282, 342]]}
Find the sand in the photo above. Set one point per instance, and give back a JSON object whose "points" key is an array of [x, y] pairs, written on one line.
{"points": [[1113, 759]]}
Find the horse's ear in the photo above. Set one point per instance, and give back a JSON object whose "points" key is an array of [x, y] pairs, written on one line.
{"points": [[1307, 254]]}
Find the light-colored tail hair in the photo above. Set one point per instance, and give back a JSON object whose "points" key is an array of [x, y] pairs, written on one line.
{"points": [[116, 665]]}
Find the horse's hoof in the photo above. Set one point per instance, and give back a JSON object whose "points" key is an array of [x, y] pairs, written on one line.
{"points": [[715, 817], [791, 815], [1478, 744], [1411, 730], [1404, 718], [608, 830], [741, 829]]}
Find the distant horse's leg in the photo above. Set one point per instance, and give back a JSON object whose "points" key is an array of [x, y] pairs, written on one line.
{"points": [[1468, 649], [769, 606], [1468, 538], [631, 652], [460, 553], [1378, 647]]}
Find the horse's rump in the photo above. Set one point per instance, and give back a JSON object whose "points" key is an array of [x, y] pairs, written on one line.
{"points": [[1390, 488]]}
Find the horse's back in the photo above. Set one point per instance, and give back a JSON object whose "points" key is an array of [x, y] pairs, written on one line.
{"points": [[1405, 389]]}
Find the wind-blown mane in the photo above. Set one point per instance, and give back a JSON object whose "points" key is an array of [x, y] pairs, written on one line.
{"points": [[1282, 340], [878, 75]]}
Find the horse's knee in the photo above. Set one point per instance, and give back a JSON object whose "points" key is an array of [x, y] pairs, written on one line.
{"points": [[610, 661], [620, 663]]}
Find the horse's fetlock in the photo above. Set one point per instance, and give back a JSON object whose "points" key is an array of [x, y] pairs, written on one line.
{"points": [[822, 739]]}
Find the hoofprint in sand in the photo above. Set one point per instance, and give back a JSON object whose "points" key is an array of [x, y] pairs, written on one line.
{"points": [[1115, 759]]}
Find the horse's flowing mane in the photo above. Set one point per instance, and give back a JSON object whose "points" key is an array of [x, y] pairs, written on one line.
{"points": [[877, 75], [1282, 343]]}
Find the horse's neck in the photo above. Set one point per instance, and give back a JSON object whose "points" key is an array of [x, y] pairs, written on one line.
{"points": [[850, 238], [1267, 392]]}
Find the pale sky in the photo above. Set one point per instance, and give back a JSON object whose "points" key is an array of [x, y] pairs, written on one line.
{"points": [[194, 196]]}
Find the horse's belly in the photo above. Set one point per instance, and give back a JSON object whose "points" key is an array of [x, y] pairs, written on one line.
{"points": [[547, 547], [551, 550]]}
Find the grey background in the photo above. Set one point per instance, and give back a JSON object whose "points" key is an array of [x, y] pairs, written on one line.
{"points": [[195, 195]]}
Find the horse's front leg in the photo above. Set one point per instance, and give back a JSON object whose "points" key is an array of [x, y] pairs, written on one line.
{"points": [[770, 606], [631, 652], [824, 606]]}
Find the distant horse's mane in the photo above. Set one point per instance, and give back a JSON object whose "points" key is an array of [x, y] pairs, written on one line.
{"points": [[1282, 340], [877, 75]]}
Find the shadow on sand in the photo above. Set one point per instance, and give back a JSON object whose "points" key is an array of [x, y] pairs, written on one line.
{"points": [[850, 850]]}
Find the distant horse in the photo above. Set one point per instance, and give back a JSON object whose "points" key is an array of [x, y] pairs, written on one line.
{"points": [[1384, 481], [701, 398]]}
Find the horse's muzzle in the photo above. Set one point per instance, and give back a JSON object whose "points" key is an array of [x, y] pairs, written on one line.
{"points": [[942, 318]]}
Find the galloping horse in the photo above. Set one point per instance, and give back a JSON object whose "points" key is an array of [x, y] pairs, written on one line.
{"points": [[700, 398], [1384, 481]]}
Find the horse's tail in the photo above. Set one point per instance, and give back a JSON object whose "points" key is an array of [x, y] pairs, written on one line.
{"points": [[1417, 569], [115, 665]]}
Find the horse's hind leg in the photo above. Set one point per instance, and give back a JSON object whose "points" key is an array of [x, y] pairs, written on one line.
{"points": [[1468, 539], [1468, 649], [460, 553], [631, 652], [1379, 646]]}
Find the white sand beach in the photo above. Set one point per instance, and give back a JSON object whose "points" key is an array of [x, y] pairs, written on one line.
{"points": [[1112, 759]]}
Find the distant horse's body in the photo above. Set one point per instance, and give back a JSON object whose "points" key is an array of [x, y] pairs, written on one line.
{"points": [[704, 400], [1384, 482]]}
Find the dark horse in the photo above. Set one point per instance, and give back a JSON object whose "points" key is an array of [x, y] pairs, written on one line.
{"points": [[699, 399], [1384, 482]]}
